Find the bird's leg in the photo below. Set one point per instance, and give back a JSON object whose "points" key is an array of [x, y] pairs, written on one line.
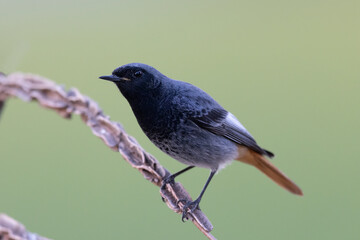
{"points": [[191, 206], [170, 179]]}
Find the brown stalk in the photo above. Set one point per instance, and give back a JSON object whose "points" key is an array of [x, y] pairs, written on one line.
{"points": [[10, 229]]}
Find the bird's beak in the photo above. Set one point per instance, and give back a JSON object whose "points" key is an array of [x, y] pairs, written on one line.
{"points": [[113, 78]]}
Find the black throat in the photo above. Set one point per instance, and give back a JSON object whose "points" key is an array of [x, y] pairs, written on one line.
{"points": [[146, 106]]}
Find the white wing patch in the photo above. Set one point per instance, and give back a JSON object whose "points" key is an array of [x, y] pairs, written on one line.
{"points": [[233, 122]]}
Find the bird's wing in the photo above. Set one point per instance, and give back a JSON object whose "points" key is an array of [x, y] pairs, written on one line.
{"points": [[206, 113], [223, 123]]}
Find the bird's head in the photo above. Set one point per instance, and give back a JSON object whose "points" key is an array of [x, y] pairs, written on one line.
{"points": [[135, 78]]}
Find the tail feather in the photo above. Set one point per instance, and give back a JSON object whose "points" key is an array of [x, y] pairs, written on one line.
{"points": [[260, 162]]}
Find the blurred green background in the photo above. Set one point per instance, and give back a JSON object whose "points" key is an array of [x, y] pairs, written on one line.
{"points": [[289, 70]]}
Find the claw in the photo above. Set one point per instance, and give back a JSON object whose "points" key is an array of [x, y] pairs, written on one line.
{"points": [[189, 207], [169, 180], [184, 216]]}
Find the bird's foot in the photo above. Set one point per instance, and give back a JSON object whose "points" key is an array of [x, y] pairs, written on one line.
{"points": [[188, 207], [169, 180]]}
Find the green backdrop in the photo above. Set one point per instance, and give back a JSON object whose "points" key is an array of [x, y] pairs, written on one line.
{"points": [[289, 70]]}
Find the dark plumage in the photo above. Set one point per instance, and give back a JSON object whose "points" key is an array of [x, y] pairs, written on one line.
{"points": [[189, 125]]}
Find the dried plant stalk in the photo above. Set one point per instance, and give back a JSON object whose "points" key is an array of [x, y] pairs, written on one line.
{"points": [[48, 94], [10, 229]]}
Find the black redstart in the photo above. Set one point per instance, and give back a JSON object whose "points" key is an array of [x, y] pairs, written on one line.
{"points": [[190, 126]]}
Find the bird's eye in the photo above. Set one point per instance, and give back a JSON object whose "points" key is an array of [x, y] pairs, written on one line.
{"points": [[138, 74]]}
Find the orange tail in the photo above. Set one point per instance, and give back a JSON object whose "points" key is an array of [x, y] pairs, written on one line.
{"points": [[260, 162]]}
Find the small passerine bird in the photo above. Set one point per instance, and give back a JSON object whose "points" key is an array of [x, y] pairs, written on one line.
{"points": [[190, 126]]}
